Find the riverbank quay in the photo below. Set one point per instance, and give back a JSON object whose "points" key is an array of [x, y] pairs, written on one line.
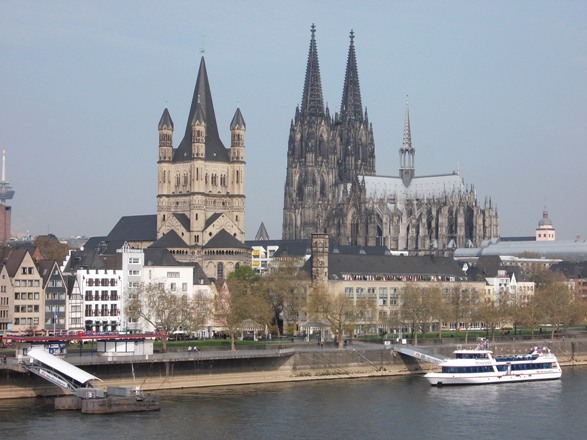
{"points": [[262, 364]]}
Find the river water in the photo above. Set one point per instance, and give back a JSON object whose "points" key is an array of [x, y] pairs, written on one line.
{"points": [[371, 408]]}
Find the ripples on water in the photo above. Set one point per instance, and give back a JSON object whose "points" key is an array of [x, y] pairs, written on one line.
{"points": [[381, 408]]}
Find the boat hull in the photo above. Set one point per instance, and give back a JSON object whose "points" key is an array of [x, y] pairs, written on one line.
{"points": [[440, 379], [110, 405]]}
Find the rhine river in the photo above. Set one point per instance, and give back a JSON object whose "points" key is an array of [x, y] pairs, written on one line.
{"points": [[372, 408]]}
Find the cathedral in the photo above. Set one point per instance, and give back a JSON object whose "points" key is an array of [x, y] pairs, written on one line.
{"points": [[332, 186], [201, 187]]}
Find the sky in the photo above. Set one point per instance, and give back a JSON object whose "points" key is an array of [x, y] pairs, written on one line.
{"points": [[496, 89]]}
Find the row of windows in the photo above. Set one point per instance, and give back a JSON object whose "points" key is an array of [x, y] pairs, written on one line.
{"points": [[27, 296], [489, 368], [522, 367], [104, 311], [27, 309], [101, 296], [26, 321], [101, 281], [402, 277], [55, 296], [26, 283]]}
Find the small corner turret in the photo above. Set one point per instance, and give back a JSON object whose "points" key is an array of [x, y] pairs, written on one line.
{"points": [[237, 137], [165, 137]]}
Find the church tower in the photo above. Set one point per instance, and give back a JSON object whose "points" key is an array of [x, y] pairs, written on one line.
{"points": [[201, 199], [311, 161], [324, 153]]}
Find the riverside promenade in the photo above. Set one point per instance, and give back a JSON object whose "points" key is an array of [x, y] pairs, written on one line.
{"points": [[270, 364]]}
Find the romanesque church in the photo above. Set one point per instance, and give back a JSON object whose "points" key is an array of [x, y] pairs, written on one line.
{"points": [[332, 186], [201, 187]]}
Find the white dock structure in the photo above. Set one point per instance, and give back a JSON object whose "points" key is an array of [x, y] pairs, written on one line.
{"points": [[418, 354], [57, 371]]}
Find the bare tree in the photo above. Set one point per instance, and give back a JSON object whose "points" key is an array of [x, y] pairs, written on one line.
{"points": [[464, 305], [166, 311], [559, 302], [286, 288], [530, 314], [419, 306], [491, 313], [336, 308]]}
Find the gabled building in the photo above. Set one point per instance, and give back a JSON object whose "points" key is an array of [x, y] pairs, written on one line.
{"points": [[6, 300], [55, 290], [28, 312], [75, 304], [99, 280]]}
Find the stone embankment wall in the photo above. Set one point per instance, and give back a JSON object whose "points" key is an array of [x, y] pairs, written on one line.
{"points": [[359, 360]]}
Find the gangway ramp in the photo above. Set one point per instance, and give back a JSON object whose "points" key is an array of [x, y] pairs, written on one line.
{"points": [[418, 354], [57, 371]]}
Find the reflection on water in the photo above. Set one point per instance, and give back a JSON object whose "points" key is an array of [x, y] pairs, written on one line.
{"points": [[381, 408]]}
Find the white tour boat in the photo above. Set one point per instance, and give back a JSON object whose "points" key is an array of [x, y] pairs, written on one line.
{"points": [[479, 366]]}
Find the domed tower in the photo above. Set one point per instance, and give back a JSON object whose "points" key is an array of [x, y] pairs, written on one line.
{"points": [[545, 231]]}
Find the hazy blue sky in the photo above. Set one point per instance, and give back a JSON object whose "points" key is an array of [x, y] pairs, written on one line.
{"points": [[498, 88]]}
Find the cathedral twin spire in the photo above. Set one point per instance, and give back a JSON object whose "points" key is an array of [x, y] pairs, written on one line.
{"points": [[313, 101], [351, 106]]}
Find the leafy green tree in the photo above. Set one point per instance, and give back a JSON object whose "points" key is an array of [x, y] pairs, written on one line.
{"points": [[240, 298]]}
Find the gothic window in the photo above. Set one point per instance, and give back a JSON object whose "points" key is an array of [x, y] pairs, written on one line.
{"points": [[354, 231], [220, 271], [185, 179], [206, 179], [177, 179]]}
